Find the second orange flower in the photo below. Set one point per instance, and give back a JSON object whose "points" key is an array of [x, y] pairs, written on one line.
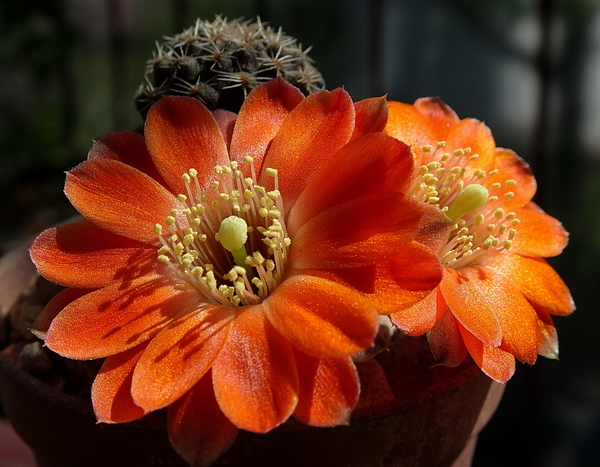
{"points": [[498, 293]]}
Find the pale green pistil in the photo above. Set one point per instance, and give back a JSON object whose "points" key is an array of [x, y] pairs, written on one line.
{"points": [[243, 217], [472, 197], [233, 235]]}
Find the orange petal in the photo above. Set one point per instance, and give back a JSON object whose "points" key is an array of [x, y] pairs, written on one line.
{"points": [[548, 344], [198, 430], [445, 340], [434, 228], [348, 175], [182, 134], [497, 364], [111, 391], [399, 282], [85, 256], [408, 124], [471, 133], [53, 308], [260, 117], [127, 147], [254, 376], [538, 234], [512, 167], [436, 110], [471, 306], [180, 355], [113, 319], [535, 279], [366, 230], [322, 318], [420, 317], [329, 389], [119, 198], [390, 285], [407, 277], [320, 125], [226, 121], [517, 318], [371, 116]]}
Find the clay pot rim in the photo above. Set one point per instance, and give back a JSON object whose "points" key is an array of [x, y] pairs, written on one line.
{"points": [[469, 371], [156, 420]]}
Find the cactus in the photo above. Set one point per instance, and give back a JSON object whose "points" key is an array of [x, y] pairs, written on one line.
{"points": [[220, 62]]}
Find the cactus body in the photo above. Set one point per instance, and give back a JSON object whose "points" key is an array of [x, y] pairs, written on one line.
{"points": [[220, 62]]}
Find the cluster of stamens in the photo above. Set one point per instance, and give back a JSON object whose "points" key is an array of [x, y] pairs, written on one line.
{"points": [[481, 227], [231, 243]]}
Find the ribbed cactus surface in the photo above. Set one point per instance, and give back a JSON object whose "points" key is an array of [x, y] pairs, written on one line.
{"points": [[218, 62]]}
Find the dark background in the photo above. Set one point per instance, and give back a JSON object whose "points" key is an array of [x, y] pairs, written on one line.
{"points": [[529, 68]]}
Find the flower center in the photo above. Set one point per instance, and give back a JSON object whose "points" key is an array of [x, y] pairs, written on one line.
{"points": [[482, 227], [231, 244]]}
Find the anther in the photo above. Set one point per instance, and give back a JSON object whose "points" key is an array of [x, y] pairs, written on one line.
{"points": [[197, 271], [188, 239]]}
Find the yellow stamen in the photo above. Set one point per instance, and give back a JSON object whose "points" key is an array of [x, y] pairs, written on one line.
{"points": [[464, 193], [206, 243]]}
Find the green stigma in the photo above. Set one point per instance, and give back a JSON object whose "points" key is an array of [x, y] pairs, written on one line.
{"points": [[472, 197], [233, 234]]}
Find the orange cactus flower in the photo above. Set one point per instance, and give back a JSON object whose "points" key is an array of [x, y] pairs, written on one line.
{"points": [[497, 295], [230, 265]]}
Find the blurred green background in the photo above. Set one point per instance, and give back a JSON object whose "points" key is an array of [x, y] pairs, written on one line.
{"points": [[529, 68]]}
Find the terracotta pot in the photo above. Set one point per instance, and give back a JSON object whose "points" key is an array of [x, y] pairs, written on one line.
{"points": [[429, 417], [429, 427]]}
